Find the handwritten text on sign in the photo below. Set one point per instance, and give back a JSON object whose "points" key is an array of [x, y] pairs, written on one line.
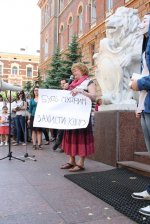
{"points": [[59, 109]]}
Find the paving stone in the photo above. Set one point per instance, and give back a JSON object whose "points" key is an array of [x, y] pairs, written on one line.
{"points": [[37, 192]]}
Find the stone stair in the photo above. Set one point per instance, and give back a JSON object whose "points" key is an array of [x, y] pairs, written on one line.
{"points": [[140, 163]]}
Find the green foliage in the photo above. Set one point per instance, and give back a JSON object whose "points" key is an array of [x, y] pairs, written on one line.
{"points": [[61, 68], [73, 55], [28, 86], [56, 72], [39, 79]]}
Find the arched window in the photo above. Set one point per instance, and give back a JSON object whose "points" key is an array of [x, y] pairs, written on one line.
{"points": [[70, 30], [61, 37], [93, 12], [14, 70], [51, 8], [80, 21], [46, 13], [61, 5], [46, 47], [109, 5]]}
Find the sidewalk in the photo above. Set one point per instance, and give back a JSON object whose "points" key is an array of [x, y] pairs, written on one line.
{"points": [[37, 192]]}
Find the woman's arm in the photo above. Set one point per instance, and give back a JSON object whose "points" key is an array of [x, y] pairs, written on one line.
{"points": [[91, 92], [24, 107]]}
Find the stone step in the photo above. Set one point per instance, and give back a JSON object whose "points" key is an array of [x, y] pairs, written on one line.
{"points": [[142, 157], [137, 167]]}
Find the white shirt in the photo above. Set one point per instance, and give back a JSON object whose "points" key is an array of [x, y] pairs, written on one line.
{"points": [[143, 93]]}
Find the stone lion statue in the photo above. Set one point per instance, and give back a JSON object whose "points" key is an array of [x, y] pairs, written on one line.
{"points": [[119, 56]]}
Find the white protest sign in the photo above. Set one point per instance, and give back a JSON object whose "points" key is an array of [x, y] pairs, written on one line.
{"points": [[59, 109]]}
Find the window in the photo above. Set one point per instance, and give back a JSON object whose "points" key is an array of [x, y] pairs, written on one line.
{"points": [[109, 5], [1, 69], [46, 13], [93, 12], [61, 37], [14, 70], [46, 47], [29, 72], [80, 21], [70, 31], [51, 8], [92, 53], [61, 5]]}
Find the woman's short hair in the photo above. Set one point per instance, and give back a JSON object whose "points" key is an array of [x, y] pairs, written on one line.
{"points": [[81, 66]]}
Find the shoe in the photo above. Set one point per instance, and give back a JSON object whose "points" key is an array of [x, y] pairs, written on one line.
{"points": [[39, 147], [61, 150], [15, 143], [144, 195], [52, 139], [1, 143], [145, 210], [6, 143], [34, 147], [55, 147], [47, 143], [24, 144], [67, 166], [77, 168]]}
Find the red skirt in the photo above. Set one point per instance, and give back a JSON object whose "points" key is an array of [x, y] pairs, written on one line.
{"points": [[79, 141], [4, 130]]}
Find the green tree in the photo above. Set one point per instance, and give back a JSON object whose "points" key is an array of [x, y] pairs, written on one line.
{"points": [[56, 72], [28, 86], [39, 80], [73, 55]]}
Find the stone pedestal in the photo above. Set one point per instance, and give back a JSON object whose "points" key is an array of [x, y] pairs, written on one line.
{"points": [[117, 135]]}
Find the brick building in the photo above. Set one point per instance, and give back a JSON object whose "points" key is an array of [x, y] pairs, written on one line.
{"points": [[60, 19], [17, 69]]}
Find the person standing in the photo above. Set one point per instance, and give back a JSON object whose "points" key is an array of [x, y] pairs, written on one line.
{"points": [[79, 142], [20, 118], [60, 133], [4, 125], [143, 84], [36, 132]]}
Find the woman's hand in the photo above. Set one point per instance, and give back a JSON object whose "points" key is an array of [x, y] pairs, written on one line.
{"points": [[134, 85], [137, 115], [28, 122], [74, 92]]}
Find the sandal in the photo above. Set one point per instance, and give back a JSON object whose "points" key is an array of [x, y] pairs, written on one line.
{"points": [[67, 166], [52, 139], [34, 147], [39, 147], [77, 168]]}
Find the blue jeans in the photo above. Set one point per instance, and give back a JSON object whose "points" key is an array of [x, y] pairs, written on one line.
{"points": [[145, 123], [148, 189], [21, 127]]}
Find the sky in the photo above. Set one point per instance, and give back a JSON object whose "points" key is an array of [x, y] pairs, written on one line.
{"points": [[19, 26]]}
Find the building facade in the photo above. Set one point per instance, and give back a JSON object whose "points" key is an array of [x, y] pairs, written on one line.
{"points": [[60, 19], [17, 69]]}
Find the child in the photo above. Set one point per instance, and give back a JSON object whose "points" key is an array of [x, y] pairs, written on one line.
{"points": [[4, 125]]}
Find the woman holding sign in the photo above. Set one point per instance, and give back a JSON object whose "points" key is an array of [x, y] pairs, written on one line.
{"points": [[79, 142]]}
